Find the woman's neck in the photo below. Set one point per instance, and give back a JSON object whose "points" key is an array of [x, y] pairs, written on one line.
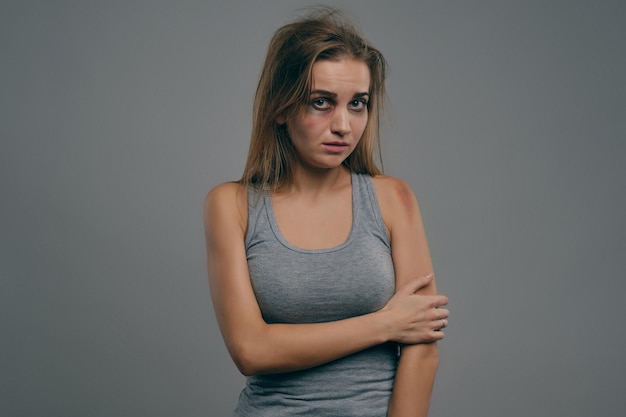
{"points": [[316, 181]]}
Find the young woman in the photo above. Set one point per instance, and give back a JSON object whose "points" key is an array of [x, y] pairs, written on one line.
{"points": [[318, 264]]}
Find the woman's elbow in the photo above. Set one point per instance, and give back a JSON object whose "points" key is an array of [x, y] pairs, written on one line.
{"points": [[245, 369], [247, 359]]}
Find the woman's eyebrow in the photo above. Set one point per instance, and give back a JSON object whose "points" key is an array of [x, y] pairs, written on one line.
{"points": [[324, 93], [333, 95]]}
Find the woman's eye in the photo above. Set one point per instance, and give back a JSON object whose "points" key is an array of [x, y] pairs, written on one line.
{"points": [[359, 104], [321, 104]]}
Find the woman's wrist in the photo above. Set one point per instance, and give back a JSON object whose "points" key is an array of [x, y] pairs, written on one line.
{"points": [[381, 323]]}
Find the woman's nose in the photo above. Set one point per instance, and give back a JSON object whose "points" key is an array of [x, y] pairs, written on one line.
{"points": [[341, 122]]}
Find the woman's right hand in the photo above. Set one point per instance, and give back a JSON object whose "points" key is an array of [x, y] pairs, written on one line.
{"points": [[415, 318]]}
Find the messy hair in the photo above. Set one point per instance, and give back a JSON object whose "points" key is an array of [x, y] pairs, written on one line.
{"points": [[285, 85]]}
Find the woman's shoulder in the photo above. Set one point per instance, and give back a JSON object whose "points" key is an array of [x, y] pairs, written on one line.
{"points": [[225, 193], [224, 189], [227, 202], [392, 189], [395, 198]]}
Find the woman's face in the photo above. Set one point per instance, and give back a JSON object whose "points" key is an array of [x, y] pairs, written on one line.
{"points": [[329, 127]]}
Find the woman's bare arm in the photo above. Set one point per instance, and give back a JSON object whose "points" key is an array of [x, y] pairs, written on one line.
{"points": [[258, 347], [411, 257]]}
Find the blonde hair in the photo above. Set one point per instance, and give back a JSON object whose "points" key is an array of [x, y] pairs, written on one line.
{"points": [[285, 85]]}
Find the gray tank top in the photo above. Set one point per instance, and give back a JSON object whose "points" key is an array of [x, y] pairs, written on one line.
{"points": [[295, 285]]}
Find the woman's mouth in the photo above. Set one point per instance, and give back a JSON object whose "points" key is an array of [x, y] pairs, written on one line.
{"points": [[335, 147]]}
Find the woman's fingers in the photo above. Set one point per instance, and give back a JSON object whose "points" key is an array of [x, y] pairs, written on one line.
{"points": [[439, 324], [417, 284], [418, 318], [428, 325], [437, 301], [439, 313]]}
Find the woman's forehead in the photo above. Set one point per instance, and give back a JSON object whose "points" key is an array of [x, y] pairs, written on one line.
{"points": [[345, 75]]}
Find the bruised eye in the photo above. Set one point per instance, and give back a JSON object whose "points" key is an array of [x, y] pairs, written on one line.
{"points": [[359, 104], [321, 104]]}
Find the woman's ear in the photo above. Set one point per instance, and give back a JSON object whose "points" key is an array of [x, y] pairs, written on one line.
{"points": [[281, 120]]}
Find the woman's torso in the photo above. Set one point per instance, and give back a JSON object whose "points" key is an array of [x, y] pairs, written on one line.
{"points": [[295, 285]]}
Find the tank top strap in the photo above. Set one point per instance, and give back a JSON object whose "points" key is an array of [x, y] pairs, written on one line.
{"points": [[256, 209], [366, 208]]}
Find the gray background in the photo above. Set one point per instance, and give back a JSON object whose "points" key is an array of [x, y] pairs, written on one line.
{"points": [[507, 118]]}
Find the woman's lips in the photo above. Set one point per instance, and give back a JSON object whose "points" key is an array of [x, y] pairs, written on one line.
{"points": [[335, 147]]}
